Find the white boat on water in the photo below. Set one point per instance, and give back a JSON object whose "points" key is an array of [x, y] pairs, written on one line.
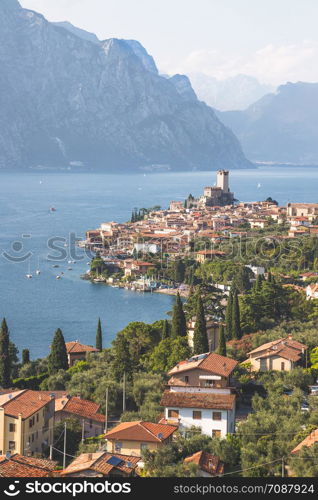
{"points": [[58, 277], [38, 271], [29, 275]]}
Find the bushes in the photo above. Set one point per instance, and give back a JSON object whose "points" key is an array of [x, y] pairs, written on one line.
{"points": [[30, 382]]}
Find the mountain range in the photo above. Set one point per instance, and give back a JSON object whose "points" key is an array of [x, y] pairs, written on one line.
{"points": [[67, 98], [281, 127], [234, 93]]}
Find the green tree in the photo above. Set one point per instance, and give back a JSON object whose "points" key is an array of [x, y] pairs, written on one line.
{"points": [[73, 439], [5, 368], [179, 324], [258, 283], [58, 355], [99, 336], [165, 330], [25, 357], [200, 336], [167, 354], [236, 319], [222, 342], [228, 316], [179, 271]]}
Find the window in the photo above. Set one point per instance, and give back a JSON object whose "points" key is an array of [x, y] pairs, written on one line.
{"points": [[217, 415], [32, 438], [216, 433], [186, 379], [143, 447], [36, 434], [12, 427], [118, 446], [173, 413], [197, 415], [37, 417], [11, 445], [282, 366], [90, 423], [209, 383]]}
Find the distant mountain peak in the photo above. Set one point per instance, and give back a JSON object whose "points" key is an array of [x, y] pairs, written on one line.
{"points": [[101, 104], [85, 35]]}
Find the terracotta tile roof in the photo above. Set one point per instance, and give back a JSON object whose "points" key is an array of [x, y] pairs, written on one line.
{"points": [[212, 362], [308, 441], [98, 462], [206, 462], [26, 402], [283, 352], [20, 466], [287, 341], [198, 400], [141, 431], [83, 408], [78, 347]]}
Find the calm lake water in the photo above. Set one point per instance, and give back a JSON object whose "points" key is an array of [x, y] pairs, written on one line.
{"points": [[35, 308]]}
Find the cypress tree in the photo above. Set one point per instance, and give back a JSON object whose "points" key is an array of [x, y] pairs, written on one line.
{"points": [[5, 368], [58, 355], [258, 283], [236, 319], [165, 330], [179, 324], [25, 356], [222, 341], [200, 336], [228, 317], [99, 336]]}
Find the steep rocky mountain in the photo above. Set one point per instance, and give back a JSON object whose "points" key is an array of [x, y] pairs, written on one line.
{"points": [[280, 127], [235, 93], [183, 87], [67, 100], [86, 35]]}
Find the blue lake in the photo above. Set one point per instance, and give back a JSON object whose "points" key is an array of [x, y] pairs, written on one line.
{"points": [[35, 308]]}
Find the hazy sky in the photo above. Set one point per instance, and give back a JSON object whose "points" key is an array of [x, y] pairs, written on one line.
{"points": [[274, 40]]}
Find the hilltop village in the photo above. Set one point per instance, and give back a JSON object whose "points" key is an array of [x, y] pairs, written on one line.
{"points": [[198, 393]]}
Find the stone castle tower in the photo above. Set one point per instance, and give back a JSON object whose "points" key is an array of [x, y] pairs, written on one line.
{"points": [[222, 180]]}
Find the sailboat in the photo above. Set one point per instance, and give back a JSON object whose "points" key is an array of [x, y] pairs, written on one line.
{"points": [[29, 275], [38, 271]]}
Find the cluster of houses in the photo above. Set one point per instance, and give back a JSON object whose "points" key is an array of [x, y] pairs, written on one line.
{"points": [[200, 392], [213, 216]]}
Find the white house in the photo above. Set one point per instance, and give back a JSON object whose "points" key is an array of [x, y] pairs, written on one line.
{"points": [[213, 412]]}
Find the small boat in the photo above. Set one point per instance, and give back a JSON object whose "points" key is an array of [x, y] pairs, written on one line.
{"points": [[29, 275], [56, 265], [66, 245], [38, 271], [259, 185], [58, 277], [69, 261], [52, 209], [70, 269]]}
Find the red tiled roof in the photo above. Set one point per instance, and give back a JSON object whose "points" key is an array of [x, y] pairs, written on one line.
{"points": [[26, 402], [214, 363], [205, 400], [98, 462], [83, 408], [141, 431], [20, 466], [308, 441], [206, 462], [288, 342], [78, 347]]}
